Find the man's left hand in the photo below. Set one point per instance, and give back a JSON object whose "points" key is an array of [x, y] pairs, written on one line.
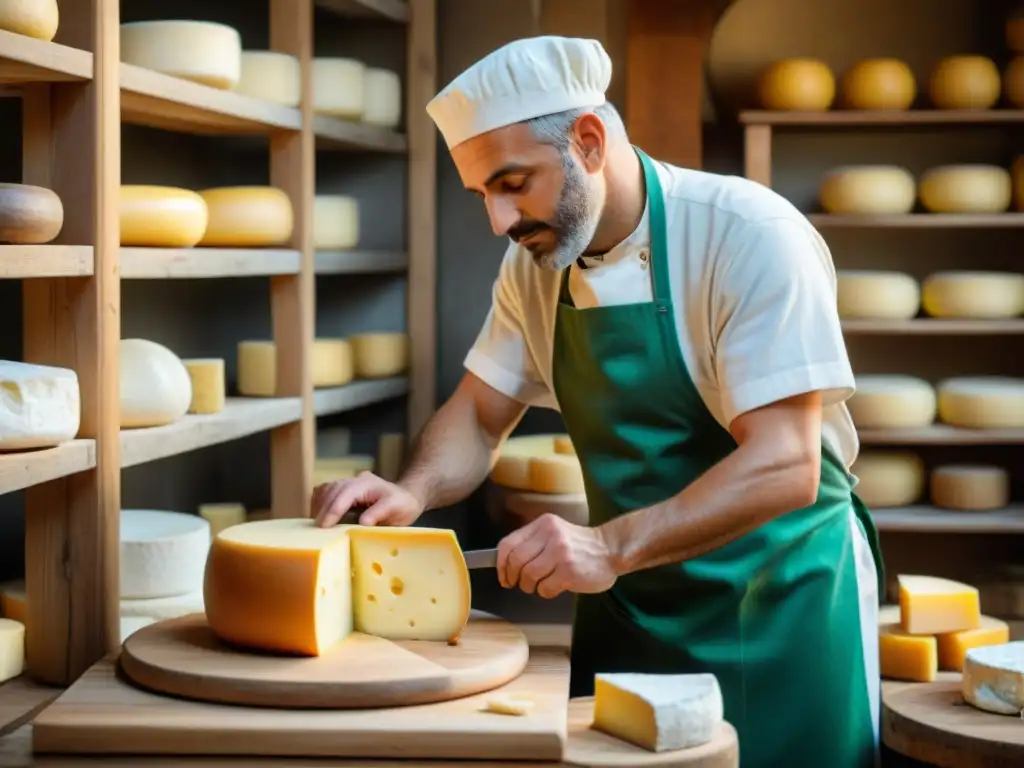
{"points": [[550, 556]]}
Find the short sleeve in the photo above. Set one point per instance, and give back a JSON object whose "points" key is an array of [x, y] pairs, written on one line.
{"points": [[775, 321]]}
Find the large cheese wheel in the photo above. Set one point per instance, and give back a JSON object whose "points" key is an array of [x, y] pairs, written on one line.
{"points": [[876, 294], [878, 84], [335, 222], [868, 189], [889, 478], [556, 473], [970, 487], [973, 294], [163, 553], [331, 366], [155, 386], [892, 401], [339, 87], [964, 82], [161, 217], [382, 97], [247, 217], [1013, 82], [512, 468], [982, 402], [966, 188], [40, 405], [204, 52], [29, 215], [380, 354], [32, 18], [803, 84], [271, 76]]}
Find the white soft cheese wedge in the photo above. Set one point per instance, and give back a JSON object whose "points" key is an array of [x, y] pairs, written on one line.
{"points": [[12, 649], [40, 405], [993, 678]]}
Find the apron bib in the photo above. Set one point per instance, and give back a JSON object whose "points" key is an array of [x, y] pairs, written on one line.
{"points": [[776, 615]]}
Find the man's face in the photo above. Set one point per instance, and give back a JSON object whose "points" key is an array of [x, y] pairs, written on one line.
{"points": [[546, 202]]}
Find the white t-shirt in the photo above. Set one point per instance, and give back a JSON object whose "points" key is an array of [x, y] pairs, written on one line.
{"points": [[753, 289]]}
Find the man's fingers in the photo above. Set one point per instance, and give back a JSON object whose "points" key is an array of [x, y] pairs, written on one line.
{"points": [[553, 584], [324, 498], [538, 569], [348, 493], [517, 555], [380, 512]]}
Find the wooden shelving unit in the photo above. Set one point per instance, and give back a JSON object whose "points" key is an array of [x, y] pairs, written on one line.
{"points": [[76, 95]]}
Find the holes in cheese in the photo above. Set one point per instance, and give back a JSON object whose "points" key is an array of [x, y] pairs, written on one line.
{"points": [[208, 385], [982, 402], [247, 217], [973, 294], [966, 188], [204, 52], [332, 366], [287, 586], [32, 18], [339, 87], [876, 294], [270, 76], [892, 401], [382, 98], [993, 678], [889, 478], [882, 83], [161, 217], [377, 355], [162, 552], [970, 487], [12, 649], [964, 82], [155, 386], [40, 406], [335, 222], [931, 605], [868, 189], [797, 84], [29, 215]]}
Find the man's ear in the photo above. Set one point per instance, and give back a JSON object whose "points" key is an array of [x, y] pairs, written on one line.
{"points": [[591, 141]]}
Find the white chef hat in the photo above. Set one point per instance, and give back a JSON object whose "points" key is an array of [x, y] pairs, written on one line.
{"points": [[519, 81]]}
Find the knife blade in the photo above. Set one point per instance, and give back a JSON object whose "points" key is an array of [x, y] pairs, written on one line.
{"points": [[481, 558]]}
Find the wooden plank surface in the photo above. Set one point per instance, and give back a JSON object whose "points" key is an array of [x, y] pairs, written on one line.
{"points": [[23, 469], [162, 263], [20, 261]]}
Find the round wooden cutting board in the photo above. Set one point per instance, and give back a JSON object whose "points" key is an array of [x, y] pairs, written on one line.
{"points": [[183, 657], [588, 748]]}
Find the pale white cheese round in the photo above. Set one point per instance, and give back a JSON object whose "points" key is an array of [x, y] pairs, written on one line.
{"points": [[204, 52], [982, 402], [892, 401], [877, 294], [163, 553], [156, 388]]}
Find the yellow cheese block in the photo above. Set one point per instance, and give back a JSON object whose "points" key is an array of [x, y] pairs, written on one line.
{"points": [[889, 478], [271, 76], [339, 87], [382, 97], [953, 646], [982, 402], [512, 468], [29, 215], [32, 18], [12, 649], [903, 656], [201, 51], [208, 385], [377, 355], [973, 294], [13, 601], [390, 455], [802, 84], [868, 189], [964, 82], [966, 188], [556, 473], [970, 487], [287, 586], [222, 515], [892, 401], [931, 605], [882, 83], [247, 217], [335, 222], [332, 366], [161, 217]]}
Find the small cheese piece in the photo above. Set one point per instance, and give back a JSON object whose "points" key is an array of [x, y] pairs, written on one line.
{"points": [[247, 217], [556, 473], [40, 406], [390, 455], [335, 222], [29, 215], [892, 401], [378, 355], [868, 189], [993, 678], [882, 83], [970, 487], [162, 552], [930, 605], [208, 385], [271, 76], [512, 468], [504, 704], [964, 82], [132, 624], [888, 478], [658, 713], [953, 646], [332, 366], [382, 98], [802, 84], [156, 388], [32, 18], [877, 295], [12, 649], [963, 294], [222, 515], [201, 51], [563, 445], [339, 87], [13, 601], [161, 217], [982, 402], [159, 608], [966, 188], [903, 656]]}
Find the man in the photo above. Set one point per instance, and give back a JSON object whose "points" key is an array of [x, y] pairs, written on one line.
{"points": [[685, 325]]}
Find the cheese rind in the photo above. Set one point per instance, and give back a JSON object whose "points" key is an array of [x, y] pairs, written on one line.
{"points": [[982, 402], [159, 608], [155, 387], [557, 473], [970, 487], [335, 222], [892, 401], [966, 188], [161, 217], [868, 189], [208, 385], [162, 552], [993, 678], [339, 87], [13, 601], [382, 97], [797, 84], [964, 82], [247, 217], [29, 215], [888, 478], [903, 656], [40, 406], [658, 712], [377, 355], [880, 83], [12, 649], [877, 294], [953, 646], [973, 294], [32, 18], [271, 76], [931, 605], [204, 52]]}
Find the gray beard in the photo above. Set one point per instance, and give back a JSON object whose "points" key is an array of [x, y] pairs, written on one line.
{"points": [[572, 226]]}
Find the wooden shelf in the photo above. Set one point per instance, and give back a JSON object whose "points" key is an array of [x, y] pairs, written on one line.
{"points": [[926, 519], [20, 261], [358, 394], [21, 700], [241, 416], [927, 326], [23, 469], [920, 220], [335, 133], [395, 10], [156, 263], [360, 262], [28, 60], [851, 118], [940, 434]]}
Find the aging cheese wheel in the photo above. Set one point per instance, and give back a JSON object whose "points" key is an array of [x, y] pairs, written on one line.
{"points": [[382, 98], [155, 386], [29, 215], [556, 473], [377, 355], [247, 217], [982, 402], [892, 401], [40, 406], [512, 469], [12, 649], [332, 366], [876, 294], [1013, 82], [204, 52], [335, 222], [993, 678], [882, 83], [973, 294], [161, 217], [339, 87], [868, 189], [32, 18], [964, 82], [271, 76], [163, 553], [799, 84], [967, 188], [889, 478], [208, 385], [970, 487]]}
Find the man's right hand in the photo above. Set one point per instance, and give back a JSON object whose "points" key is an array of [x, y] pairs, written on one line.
{"points": [[386, 503]]}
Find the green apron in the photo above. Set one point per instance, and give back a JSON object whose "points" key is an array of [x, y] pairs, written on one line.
{"points": [[774, 614]]}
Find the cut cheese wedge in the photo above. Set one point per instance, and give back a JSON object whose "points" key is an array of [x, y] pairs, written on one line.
{"points": [[953, 646], [931, 605], [40, 405], [993, 678], [288, 586], [903, 656], [12, 649], [503, 704]]}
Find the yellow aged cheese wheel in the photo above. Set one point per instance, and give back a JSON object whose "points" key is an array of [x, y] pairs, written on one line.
{"points": [[973, 294], [161, 217], [982, 402], [970, 487], [892, 401], [335, 222], [964, 82], [29, 215], [512, 468], [247, 217], [201, 51], [32, 18], [339, 87], [799, 84], [556, 473], [876, 294], [868, 189], [966, 188], [377, 355], [271, 76], [382, 97], [331, 366], [889, 478], [878, 84]]}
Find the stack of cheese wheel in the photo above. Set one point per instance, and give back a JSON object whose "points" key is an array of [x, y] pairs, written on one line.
{"points": [[332, 366], [156, 388], [889, 478], [877, 295], [378, 355], [382, 98], [161, 217], [868, 189], [892, 401], [271, 76], [970, 294], [982, 402], [937, 622], [335, 222], [339, 87], [247, 217], [37, 18], [203, 52], [800, 84], [966, 188], [29, 215], [878, 84], [42, 406], [964, 82], [540, 464], [970, 487]]}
